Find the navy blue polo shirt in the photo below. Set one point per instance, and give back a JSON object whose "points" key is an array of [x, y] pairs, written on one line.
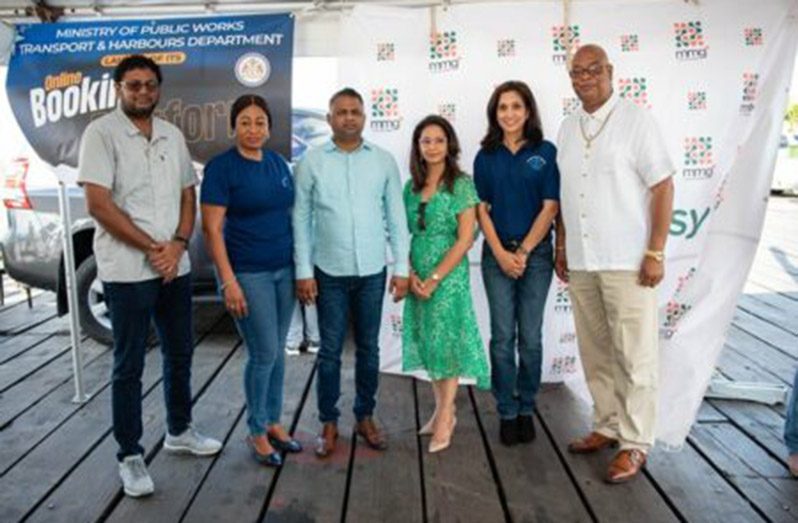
{"points": [[515, 185], [258, 197]]}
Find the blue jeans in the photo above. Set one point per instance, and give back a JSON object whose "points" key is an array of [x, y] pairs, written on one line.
{"points": [[791, 427], [337, 295], [132, 307], [270, 302], [516, 304]]}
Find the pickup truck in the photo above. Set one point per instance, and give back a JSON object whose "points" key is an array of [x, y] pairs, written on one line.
{"points": [[32, 246]]}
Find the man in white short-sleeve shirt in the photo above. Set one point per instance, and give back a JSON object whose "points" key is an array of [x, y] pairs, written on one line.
{"points": [[616, 201], [139, 183]]}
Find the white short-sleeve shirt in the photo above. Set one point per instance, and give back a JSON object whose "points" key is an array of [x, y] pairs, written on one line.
{"points": [[146, 178], [604, 193]]}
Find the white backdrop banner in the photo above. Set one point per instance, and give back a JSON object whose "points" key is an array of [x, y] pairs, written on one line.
{"points": [[715, 76]]}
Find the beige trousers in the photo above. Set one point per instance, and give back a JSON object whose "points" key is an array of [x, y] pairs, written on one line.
{"points": [[616, 328]]}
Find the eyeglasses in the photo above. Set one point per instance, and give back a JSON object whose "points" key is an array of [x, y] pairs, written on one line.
{"points": [[591, 71], [426, 142], [136, 85], [422, 213]]}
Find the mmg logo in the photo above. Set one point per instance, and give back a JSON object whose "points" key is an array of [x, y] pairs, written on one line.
{"points": [[443, 53], [385, 109], [563, 38], [698, 158], [689, 40]]}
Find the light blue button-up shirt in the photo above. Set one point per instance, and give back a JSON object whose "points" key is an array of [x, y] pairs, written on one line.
{"points": [[346, 204]]}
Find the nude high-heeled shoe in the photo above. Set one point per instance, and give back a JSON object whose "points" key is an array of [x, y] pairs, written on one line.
{"points": [[439, 445], [428, 428]]}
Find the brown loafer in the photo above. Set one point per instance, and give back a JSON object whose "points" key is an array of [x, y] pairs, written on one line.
{"points": [[593, 442], [368, 430], [325, 443], [625, 465], [792, 461]]}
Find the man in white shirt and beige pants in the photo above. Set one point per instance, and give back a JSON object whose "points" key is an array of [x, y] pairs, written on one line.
{"points": [[616, 203]]}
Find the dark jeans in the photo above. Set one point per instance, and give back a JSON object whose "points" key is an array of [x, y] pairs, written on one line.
{"points": [[516, 306], [791, 426], [338, 295], [132, 307]]}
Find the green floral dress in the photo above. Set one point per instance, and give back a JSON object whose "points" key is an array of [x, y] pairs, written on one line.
{"points": [[440, 335]]}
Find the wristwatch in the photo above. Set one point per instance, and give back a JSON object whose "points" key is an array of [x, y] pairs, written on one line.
{"points": [[181, 239], [656, 255]]}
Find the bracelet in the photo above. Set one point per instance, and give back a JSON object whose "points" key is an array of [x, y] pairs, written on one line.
{"points": [[560, 247], [522, 250], [226, 284]]}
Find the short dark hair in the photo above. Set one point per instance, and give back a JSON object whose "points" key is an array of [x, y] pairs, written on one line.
{"points": [[418, 168], [136, 61], [533, 130], [346, 91], [242, 102]]}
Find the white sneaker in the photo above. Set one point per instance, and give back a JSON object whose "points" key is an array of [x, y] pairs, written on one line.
{"points": [[192, 442], [135, 478], [313, 347], [291, 350]]}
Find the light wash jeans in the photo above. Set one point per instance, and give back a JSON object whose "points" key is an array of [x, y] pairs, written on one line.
{"points": [[304, 326], [270, 300], [516, 306]]}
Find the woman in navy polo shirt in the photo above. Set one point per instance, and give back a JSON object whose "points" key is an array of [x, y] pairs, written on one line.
{"points": [[518, 183], [247, 195]]}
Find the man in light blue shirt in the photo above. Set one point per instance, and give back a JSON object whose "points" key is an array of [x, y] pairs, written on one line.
{"points": [[348, 195]]}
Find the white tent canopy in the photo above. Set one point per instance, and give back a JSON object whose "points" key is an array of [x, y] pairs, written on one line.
{"points": [[317, 35]]}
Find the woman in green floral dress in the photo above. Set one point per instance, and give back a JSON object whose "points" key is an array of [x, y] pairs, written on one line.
{"points": [[440, 333]]}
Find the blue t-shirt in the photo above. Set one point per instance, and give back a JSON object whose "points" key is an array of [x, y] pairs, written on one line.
{"points": [[515, 185], [258, 197]]}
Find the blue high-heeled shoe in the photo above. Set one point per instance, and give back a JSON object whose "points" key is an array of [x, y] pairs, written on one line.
{"points": [[292, 445], [272, 459]]}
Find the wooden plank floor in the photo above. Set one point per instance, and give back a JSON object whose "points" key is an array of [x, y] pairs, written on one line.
{"points": [[57, 458]]}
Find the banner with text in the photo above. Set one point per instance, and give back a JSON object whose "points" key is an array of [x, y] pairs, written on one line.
{"points": [[61, 77], [716, 80]]}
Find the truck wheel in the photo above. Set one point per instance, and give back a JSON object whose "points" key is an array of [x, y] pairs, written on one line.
{"points": [[95, 319]]}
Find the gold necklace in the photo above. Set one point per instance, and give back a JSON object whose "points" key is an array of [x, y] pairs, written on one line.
{"points": [[589, 139]]}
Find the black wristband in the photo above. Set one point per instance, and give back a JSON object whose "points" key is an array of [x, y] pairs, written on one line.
{"points": [[181, 239]]}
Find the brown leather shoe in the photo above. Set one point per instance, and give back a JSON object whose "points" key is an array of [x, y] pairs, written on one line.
{"points": [[593, 442], [792, 461], [325, 443], [368, 430], [625, 465]]}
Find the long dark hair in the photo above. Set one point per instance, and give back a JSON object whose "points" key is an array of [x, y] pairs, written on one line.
{"points": [[533, 130], [418, 167]]}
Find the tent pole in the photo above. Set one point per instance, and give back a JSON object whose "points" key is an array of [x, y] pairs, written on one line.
{"points": [[72, 292]]}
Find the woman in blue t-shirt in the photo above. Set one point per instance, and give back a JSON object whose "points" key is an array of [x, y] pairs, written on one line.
{"points": [[247, 195], [518, 183]]}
